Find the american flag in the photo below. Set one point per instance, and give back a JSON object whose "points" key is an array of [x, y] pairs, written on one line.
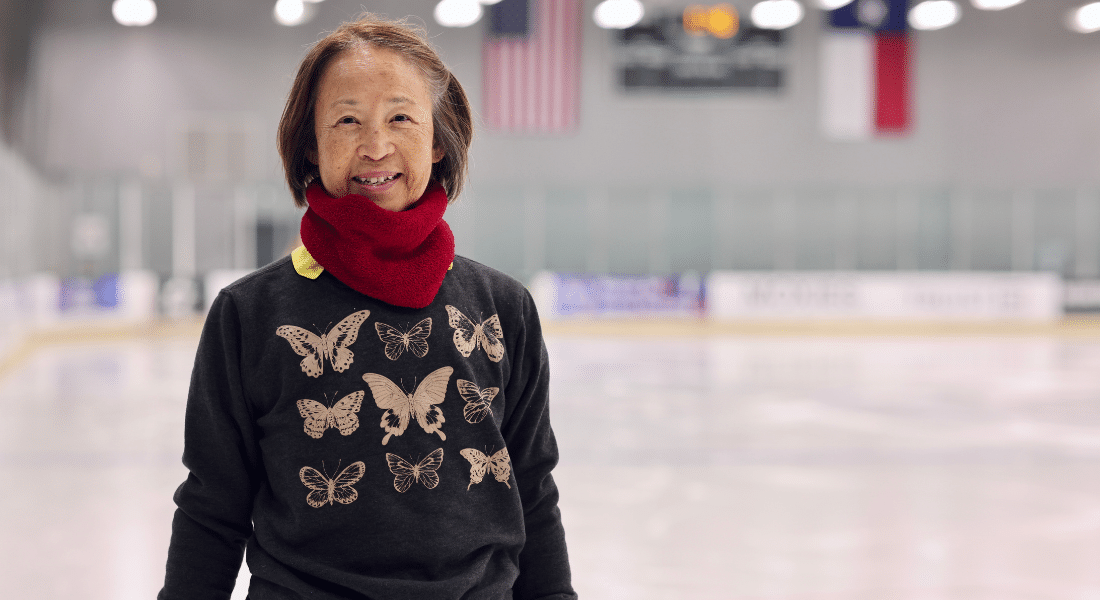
{"points": [[531, 81]]}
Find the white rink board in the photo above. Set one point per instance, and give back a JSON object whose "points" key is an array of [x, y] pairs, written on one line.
{"points": [[974, 296]]}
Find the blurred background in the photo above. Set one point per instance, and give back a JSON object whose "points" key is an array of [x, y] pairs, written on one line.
{"points": [[817, 276]]}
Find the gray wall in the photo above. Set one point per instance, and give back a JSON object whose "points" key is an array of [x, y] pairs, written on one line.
{"points": [[1005, 104]]}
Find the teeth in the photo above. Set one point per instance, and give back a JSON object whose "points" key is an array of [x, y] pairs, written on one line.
{"points": [[375, 180]]}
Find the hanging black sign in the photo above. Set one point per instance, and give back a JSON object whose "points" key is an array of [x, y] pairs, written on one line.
{"points": [[660, 53]]}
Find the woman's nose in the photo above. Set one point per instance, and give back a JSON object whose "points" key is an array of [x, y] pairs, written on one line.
{"points": [[375, 145]]}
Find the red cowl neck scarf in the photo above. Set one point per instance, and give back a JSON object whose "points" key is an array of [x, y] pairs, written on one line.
{"points": [[397, 257]]}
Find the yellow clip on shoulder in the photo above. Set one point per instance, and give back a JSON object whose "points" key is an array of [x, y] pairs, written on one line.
{"points": [[304, 264]]}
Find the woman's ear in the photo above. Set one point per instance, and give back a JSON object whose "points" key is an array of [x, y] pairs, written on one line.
{"points": [[437, 153], [311, 156]]}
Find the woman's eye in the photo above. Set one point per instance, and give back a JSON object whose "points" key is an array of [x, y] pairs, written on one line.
{"points": [[401, 118], [347, 120]]}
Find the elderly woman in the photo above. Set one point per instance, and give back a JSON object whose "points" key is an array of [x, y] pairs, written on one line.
{"points": [[369, 415]]}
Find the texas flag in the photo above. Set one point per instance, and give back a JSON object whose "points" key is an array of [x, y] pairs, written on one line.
{"points": [[866, 71]]}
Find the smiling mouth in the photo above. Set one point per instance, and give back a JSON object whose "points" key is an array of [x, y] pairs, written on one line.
{"points": [[375, 180]]}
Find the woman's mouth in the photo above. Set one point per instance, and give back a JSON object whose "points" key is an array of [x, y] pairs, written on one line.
{"points": [[375, 180]]}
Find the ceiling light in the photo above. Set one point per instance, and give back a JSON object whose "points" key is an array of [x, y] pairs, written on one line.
{"points": [[1085, 19], [776, 14], [618, 14], [832, 4], [289, 12], [134, 13], [994, 4], [872, 12], [934, 14], [457, 13]]}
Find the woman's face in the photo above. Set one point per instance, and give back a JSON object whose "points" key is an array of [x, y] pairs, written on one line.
{"points": [[373, 122]]}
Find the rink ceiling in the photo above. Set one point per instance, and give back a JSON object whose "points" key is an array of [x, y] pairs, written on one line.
{"points": [[1001, 98]]}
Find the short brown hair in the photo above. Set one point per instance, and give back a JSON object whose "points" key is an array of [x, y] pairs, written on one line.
{"points": [[451, 118]]}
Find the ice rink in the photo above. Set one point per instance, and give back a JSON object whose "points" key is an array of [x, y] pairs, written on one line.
{"points": [[796, 465], [820, 278]]}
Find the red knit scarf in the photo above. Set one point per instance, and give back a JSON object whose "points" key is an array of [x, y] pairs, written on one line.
{"points": [[397, 257]]}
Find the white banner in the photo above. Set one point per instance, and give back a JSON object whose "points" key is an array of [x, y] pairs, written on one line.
{"points": [[982, 296]]}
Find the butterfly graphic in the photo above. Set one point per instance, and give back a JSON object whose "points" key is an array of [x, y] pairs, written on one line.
{"points": [[326, 490], [341, 416], [399, 406], [469, 335], [499, 464], [332, 345], [478, 401], [414, 340], [424, 471]]}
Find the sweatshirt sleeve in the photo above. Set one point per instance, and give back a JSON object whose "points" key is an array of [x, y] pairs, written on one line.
{"points": [[543, 562], [213, 519]]}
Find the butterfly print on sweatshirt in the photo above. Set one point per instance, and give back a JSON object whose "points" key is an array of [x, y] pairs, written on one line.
{"points": [[400, 407], [469, 335], [478, 401], [424, 471], [414, 340], [331, 346], [500, 465], [341, 415], [338, 489]]}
